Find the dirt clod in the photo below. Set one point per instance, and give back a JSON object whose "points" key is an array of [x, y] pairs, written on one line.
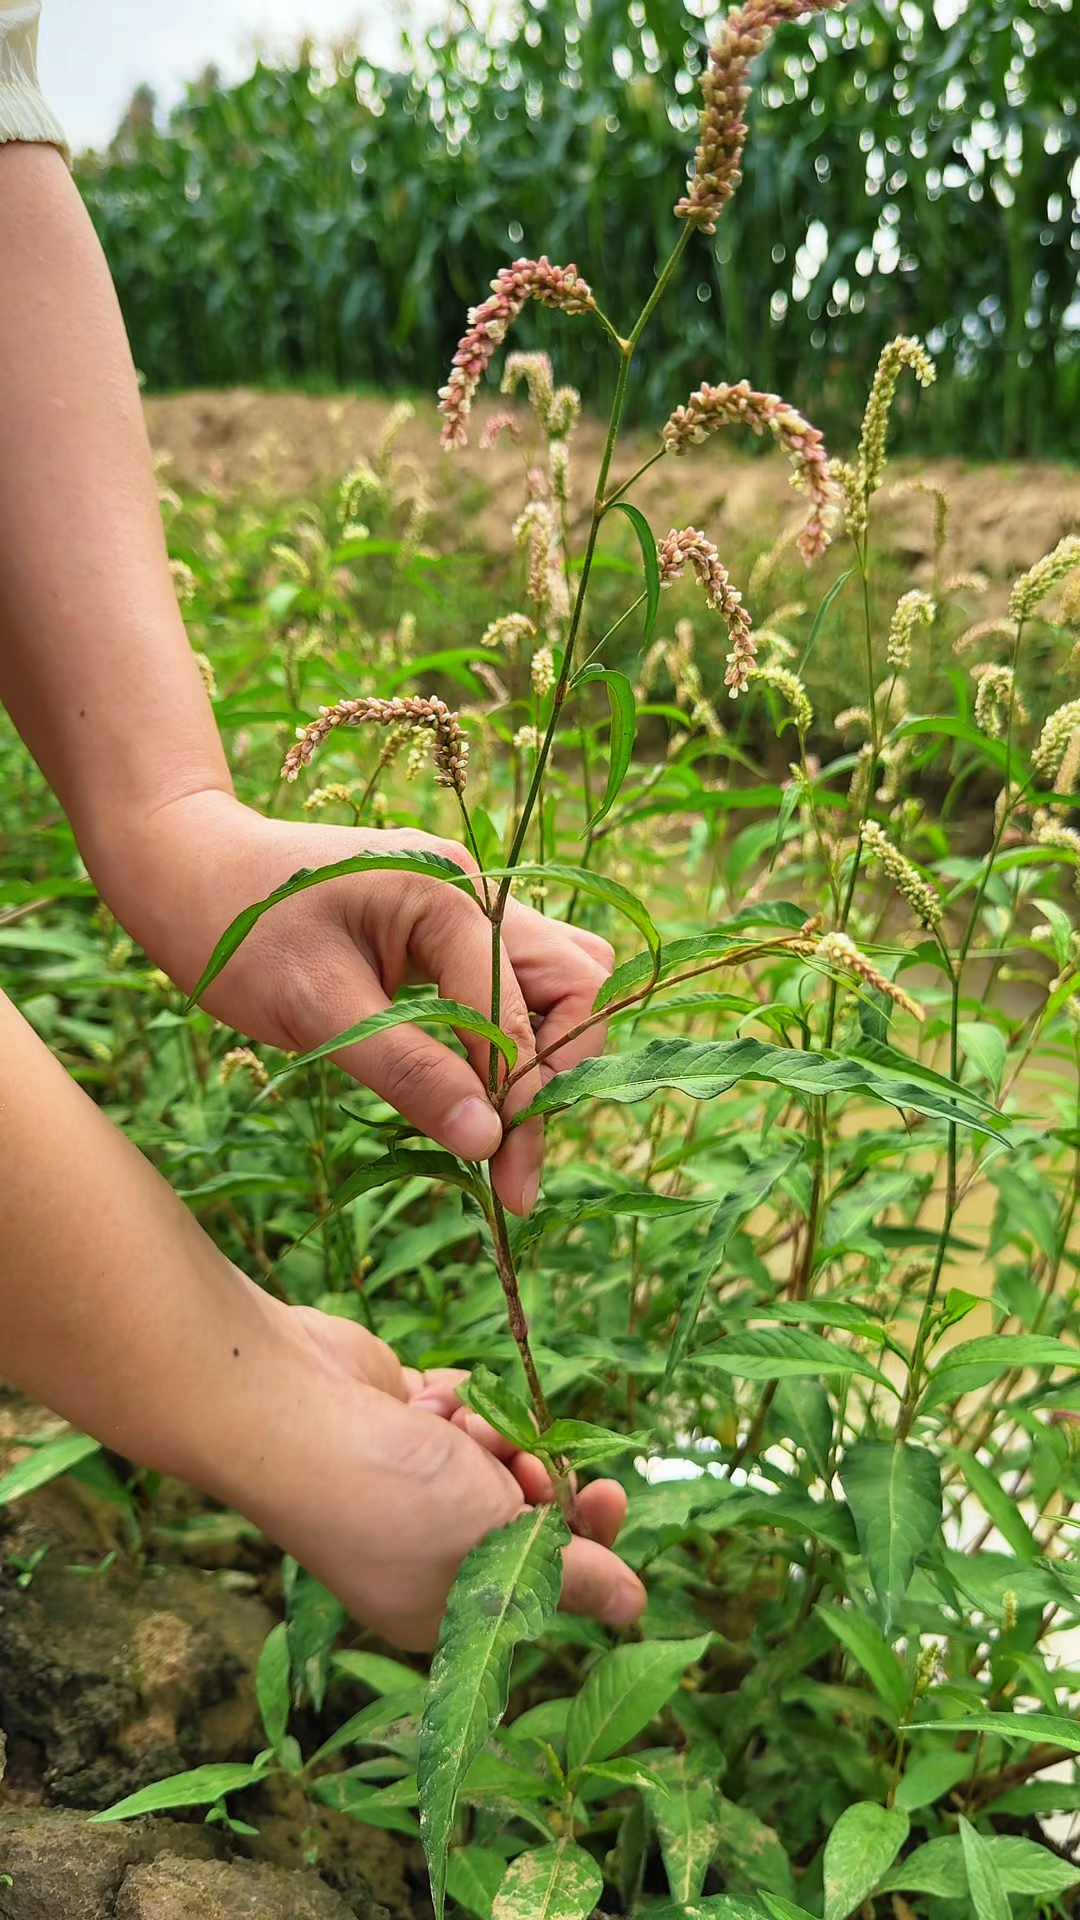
{"points": [[64, 1869], [171, 1889]]}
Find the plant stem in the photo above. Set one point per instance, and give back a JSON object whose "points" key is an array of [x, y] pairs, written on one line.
{"points": [[519, 1326]]}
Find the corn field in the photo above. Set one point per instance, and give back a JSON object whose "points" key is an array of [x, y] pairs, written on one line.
{"points": [[325, 222]]}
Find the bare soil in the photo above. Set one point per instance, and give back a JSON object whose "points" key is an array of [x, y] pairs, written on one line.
{"points": [[1002, 516]]}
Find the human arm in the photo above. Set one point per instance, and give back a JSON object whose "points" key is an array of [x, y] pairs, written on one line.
{"points": [[119, 1312], [96, 670]]}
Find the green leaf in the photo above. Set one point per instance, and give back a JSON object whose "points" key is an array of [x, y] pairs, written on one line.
{"points": [[624, 1691], [685, 1807], [999, 1505], [473, 1877], [557, 1882], [1022, 1866], [380, 1673], [648, 560], [622, 736], [442, 1013], [392, 1722], [272, 1685], [748, 1850], [1029, 1727], [581, 1444], [861, 1847], [46, 1463], [837, 587], [867, 1645], [202, 1787], [990, 1899], [894, 1492], [316, 1617], [754, 1186], [694, 953], [974, 1363], [598, 887], [433, 865], [402, 1165], [501, 1408], [986, 1047], [767, 1353], [802, 1412], [926, 1780], [705, 1068], [390, 1808], [507, 1590]]}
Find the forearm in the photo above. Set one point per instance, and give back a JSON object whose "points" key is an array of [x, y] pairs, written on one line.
{"points": [[115, 1308], [95, 666]]}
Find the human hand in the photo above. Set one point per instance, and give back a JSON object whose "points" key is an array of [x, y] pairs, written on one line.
{"points": [[326, 959], [379, 1482]]}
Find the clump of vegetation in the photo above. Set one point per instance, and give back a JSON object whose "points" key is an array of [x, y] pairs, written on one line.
{"points": [[838, 1117], [912, 169]]}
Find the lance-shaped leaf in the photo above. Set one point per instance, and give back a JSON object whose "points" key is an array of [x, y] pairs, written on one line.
{"points": [[433, 865], [696, 950], [788, 1353], [201, 1787], [894, 1492], [403, 1165], [624, 1691], [685, 1807], [867, 1645], [557, 1882], [272, 1686], [502, 1408], [649, 561], [988, 1896], [974, 1363], [861, 1847], [440, 1013], [705, 1068], [46, 1463], [621, 739], [754, 1186], [598, 887], [506, 1591]]}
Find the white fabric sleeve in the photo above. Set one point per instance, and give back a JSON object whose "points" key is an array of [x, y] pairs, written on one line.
{"points": [[23, 113]]}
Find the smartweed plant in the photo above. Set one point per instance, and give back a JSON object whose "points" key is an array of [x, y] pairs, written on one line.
{"points": [[852, 1694]]}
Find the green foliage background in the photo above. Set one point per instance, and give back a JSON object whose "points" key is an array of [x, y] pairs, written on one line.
{"points": [[328, 222]]}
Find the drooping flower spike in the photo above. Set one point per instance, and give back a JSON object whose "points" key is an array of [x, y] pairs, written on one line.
{"points": [[511, 290], [711, 408], [688, 546], [450, 751]]}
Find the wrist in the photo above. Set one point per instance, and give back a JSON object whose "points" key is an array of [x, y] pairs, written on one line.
{"points": [[162, 869]]}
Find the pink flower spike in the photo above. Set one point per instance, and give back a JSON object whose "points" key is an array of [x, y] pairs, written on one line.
{"points": [[714, 407], [511, 289], [689, 546], [725, 88]]}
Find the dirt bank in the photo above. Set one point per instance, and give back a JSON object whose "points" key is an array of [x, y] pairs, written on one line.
{"points": [[1002, 517]]}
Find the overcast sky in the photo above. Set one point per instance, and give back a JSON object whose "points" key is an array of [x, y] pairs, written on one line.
{"points": [[94, 53]]}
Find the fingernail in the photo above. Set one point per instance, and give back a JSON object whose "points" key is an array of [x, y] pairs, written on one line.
{"points": [[530, 1193], [625, 1604], [473, 1129]]}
